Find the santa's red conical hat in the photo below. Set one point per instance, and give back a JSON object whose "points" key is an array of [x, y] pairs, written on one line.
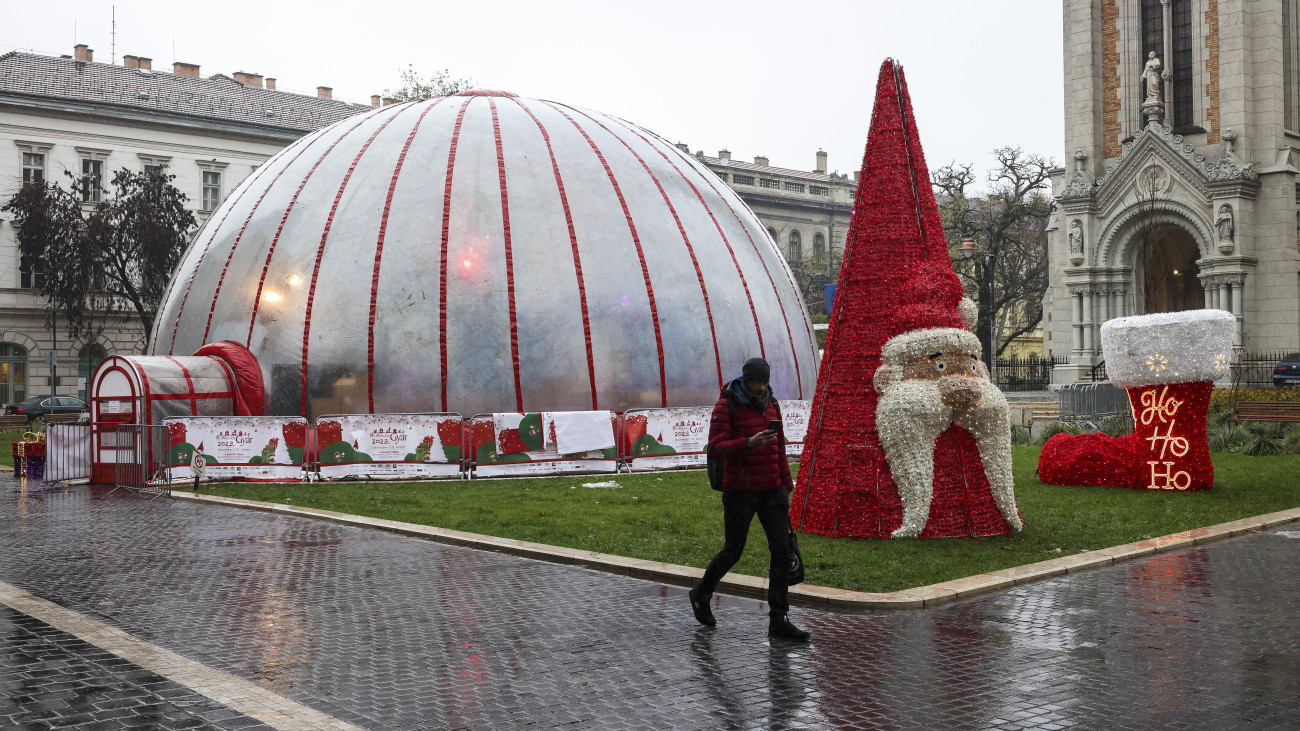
{"points": [[896, 276]]}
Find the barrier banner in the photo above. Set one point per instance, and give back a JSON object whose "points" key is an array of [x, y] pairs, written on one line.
{"points": [[248, 447], [659, 439], [513, 444], [414, 445], [794, 421], [67, 452]]}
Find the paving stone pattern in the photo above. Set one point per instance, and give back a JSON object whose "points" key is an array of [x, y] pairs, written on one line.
{"points": [[391, 632], [49, 678]]}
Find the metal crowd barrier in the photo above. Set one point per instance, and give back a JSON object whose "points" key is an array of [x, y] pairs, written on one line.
{"points": [[140, 465], [1090, 403], [67, 452]]}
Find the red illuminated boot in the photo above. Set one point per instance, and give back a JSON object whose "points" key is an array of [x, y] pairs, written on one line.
{"points": [[1167, 364]]}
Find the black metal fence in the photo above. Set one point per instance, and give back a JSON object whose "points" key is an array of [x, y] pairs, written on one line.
{"points": [[1033, 373], [1254, 369]]}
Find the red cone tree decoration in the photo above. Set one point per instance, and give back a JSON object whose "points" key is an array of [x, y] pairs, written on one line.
{"points": [[896, 276]]}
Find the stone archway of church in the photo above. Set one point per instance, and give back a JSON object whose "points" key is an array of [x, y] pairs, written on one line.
{"points": [[1167, 271]]}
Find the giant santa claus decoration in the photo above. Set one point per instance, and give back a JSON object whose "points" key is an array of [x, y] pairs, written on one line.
{"points": [[907, 437]]}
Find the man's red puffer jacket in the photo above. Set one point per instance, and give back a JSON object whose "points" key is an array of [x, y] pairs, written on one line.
{"points": [[762, 470]]}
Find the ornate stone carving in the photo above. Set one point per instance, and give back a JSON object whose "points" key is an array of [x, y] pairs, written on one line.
{"points": [[1224, 225], [1080, 185], [1075, 239], [1227, 167]]}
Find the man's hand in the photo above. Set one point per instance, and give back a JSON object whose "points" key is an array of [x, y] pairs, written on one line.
{"points": [[761, 439]]}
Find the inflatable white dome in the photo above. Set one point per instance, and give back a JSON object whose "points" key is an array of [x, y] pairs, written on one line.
{"points": [[488, 253]]}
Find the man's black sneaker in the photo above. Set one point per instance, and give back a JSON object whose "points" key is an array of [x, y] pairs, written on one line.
{"points": [[780, 627], [700, 605]]}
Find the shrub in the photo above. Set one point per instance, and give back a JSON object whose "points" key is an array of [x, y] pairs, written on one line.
{"points": [[1054, 428], [1120, 425], [1228, 437], [1225, 399], [1021, 435]]}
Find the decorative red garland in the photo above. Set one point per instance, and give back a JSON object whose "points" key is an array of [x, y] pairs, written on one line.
{"points": [[1168, 450], [896, 276]]}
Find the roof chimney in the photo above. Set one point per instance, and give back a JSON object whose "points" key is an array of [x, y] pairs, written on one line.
{"points": [[82, 52], [145, 63], [131, 62], [388, 100], [760, 160], [247, 79], [270, 83], [325, 92], [724, 154], [181, 68], [684, 147], [821, 162], [374, 100]]}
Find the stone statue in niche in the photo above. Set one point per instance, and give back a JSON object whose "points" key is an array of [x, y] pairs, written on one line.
{"points": [[1075, 239], [1153, 75], [1225, 225]]}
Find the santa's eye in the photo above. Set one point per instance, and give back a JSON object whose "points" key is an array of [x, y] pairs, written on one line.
{"points": [[941, 366]]}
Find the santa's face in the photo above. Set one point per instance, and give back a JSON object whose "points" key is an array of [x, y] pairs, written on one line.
{"points": [[957, 375]]}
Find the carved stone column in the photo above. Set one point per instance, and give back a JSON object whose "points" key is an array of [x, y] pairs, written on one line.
{"points": [[1225, 295], [1088, 324], [1076, 323], [1238, 284], [1105, 306]]}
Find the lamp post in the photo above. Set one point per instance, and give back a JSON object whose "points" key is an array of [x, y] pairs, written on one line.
{"points": [[981, 264]]}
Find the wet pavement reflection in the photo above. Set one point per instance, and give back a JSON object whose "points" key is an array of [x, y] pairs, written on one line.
{"points": [[390, 632]]}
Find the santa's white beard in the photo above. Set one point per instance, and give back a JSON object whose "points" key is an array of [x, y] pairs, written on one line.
{"points": [[911, 414]]}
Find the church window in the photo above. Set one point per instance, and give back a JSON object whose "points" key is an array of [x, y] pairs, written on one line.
{"points": [[1291, 63], [819, 246], [1181, 63], [795, 252]]}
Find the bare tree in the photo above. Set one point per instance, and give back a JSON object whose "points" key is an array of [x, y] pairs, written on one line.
{"points": [[1006, 274], [416, 88]]}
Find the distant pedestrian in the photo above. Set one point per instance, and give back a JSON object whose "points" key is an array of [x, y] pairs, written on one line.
{"points": [[756, 481]]}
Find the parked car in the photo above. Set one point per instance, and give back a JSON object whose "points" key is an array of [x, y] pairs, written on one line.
{"points": [[37, 407], [1287, 371]]}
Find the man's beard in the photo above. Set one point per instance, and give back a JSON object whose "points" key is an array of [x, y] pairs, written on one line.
{"points": [[911, 414]]}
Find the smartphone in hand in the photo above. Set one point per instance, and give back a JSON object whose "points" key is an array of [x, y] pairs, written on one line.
{"points": [[774, 426]]}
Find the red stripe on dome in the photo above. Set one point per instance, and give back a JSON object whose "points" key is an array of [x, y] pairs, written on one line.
{"points": [[442, 263], [238, 237], [758, 329], [577, 259], [379, 253], [636, 241], [189, 385], [202, 255], [510, 265], [270, 252], [699, 274], [320, 250], [780, 303]]}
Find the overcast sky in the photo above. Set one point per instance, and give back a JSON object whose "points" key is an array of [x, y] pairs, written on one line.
{"points": [[779, 79]]}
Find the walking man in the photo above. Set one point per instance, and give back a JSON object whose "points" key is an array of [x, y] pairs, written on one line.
{"points": [[756, 481]]}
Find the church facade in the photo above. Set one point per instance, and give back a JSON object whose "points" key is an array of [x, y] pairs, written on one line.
{"points": [[1182, 118]]}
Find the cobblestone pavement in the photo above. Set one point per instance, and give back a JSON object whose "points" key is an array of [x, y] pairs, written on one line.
{"points": [[389, 632]]}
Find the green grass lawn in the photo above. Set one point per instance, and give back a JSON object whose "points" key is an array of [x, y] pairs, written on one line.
{"points": [[675, 517], [7, 438]]}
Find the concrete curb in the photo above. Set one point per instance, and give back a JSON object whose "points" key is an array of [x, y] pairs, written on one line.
{"points": [[806, 594]]}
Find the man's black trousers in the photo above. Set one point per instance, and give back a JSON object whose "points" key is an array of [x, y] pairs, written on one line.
{"points": [[738, 511]]}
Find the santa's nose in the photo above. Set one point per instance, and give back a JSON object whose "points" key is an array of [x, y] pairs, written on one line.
{"points": [[959, 392]]}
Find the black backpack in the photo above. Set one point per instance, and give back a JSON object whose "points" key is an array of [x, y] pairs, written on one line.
{"points": [[717, 465]]}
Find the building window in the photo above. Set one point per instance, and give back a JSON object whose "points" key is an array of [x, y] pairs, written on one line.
{"points": [[819, 246], [1291, 63], [765, 183], [92, 178], [30, 274], [33, 167], [721, 175], [794, 187], [211, 190], [795, 252], [13, 372], [742, 179], [1181, 78], [153, 169], [771, 232], [88, 360], [819, 190]]}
